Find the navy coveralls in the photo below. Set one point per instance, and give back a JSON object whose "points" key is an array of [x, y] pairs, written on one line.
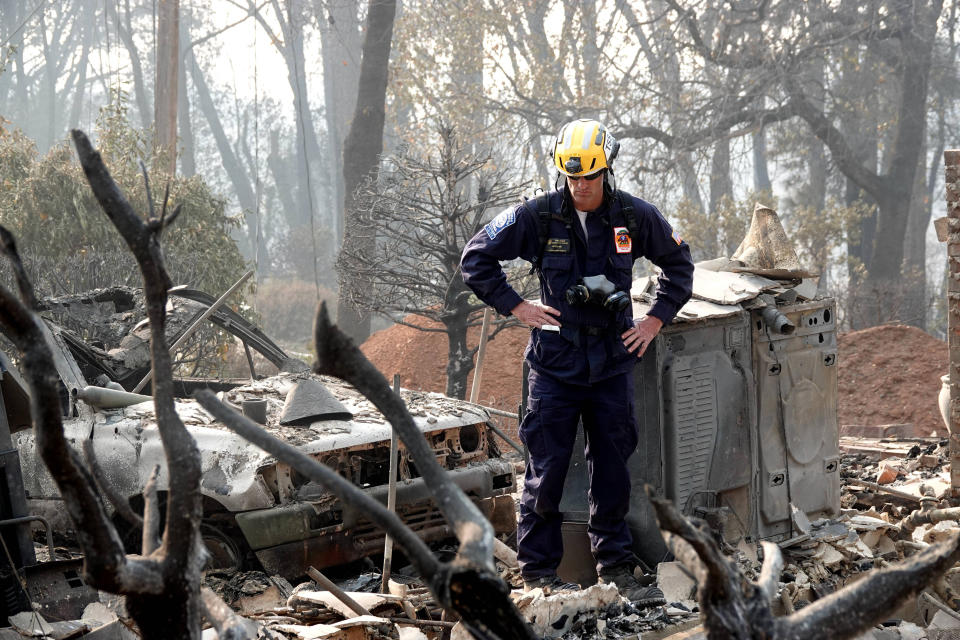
{"points": [[584, 371]]}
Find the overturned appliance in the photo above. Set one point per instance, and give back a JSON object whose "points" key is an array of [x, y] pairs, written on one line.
{"points": [[736, 403]]}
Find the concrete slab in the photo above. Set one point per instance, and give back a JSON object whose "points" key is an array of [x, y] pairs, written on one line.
{"points": [[674, 582]]}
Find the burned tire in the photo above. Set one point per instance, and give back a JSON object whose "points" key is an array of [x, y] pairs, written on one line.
{"points": [[218, 531], [226, 552]]}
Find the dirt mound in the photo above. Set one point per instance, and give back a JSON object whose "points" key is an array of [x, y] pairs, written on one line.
{"points": [[420, 357], [891, 374]]}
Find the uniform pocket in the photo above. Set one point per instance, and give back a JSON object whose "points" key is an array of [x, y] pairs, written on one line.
{"points": [[552, 351], [620, 270], [531, 430], [557, 273]]}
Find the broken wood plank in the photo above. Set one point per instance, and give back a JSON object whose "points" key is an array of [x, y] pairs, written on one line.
{"points": [[328, 584]]}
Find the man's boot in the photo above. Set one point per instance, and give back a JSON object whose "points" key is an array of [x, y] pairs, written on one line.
{"points": [[631, 588], [549, 584]]}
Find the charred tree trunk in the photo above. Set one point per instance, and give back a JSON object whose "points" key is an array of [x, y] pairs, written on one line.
{"points": [[459, 354], [87, 28], [761, 173], [893, 189], [894, 207], [280, 169], [361, 157], [720, 184], [340, 43], [188, 162], [125, 32], [915, 247], [231, 163], [165, 94]]}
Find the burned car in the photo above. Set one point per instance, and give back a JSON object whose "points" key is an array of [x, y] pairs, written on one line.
{"points": [[254, 505]]}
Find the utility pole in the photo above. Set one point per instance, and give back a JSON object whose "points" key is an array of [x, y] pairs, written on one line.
{"points": [[165, 93]]}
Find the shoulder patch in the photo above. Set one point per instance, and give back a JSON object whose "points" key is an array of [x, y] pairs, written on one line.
{"points": [[622, 239], [503, 220], [676, 237]]}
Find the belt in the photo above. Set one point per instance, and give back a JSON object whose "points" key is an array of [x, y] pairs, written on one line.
{"points": [[587, 329]]}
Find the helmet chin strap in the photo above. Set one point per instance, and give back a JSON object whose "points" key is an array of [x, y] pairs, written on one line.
{"points": [[560, 182], [610, 181]]}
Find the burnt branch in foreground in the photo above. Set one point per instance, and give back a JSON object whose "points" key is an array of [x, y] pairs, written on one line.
{"points": [[119, 504], [105, 564], [337, 356], [734, 607], [468, 585], [351, 496], [162, 586], [176, 610]]}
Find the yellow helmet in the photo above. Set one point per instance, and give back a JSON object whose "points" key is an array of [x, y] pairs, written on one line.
{"points": [[584, 147]]}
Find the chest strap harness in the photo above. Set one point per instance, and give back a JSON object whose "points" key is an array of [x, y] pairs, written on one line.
{"points": [[541, 204]]}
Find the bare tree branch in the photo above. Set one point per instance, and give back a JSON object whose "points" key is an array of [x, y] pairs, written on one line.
{"points": [[734, 607], [120, 505], [468, 585], [184, 505], [105, 564], [338, 356], [349, 495], [228, 624], [151, 514]]}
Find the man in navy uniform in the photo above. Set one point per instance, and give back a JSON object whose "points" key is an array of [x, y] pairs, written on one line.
{"points": [[582, 240]]}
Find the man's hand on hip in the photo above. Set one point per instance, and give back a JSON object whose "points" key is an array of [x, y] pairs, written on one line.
{"points": [[536, 314], [642, 334]]}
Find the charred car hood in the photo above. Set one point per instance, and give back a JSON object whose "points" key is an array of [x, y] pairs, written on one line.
{"points": [[127, 442]]}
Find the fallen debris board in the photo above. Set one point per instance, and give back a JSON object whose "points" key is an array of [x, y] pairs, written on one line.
{"points": [[903, 430], [807, 289], [882, 448], [368, 601], [309, 632], [725, 287], [30, 624]]}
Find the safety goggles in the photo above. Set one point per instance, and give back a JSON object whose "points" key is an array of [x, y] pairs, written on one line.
{"points": [[592, 176]]}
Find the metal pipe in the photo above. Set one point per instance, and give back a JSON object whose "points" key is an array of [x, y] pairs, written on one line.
{"points": [[932, 516], [882, 489], [776, 320], [417, 622], [391, 498], [939, 605], [499, 412], [46, 525], [341, 595], [497, 430], [192, 328], [481, 352], [103, 398]]}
